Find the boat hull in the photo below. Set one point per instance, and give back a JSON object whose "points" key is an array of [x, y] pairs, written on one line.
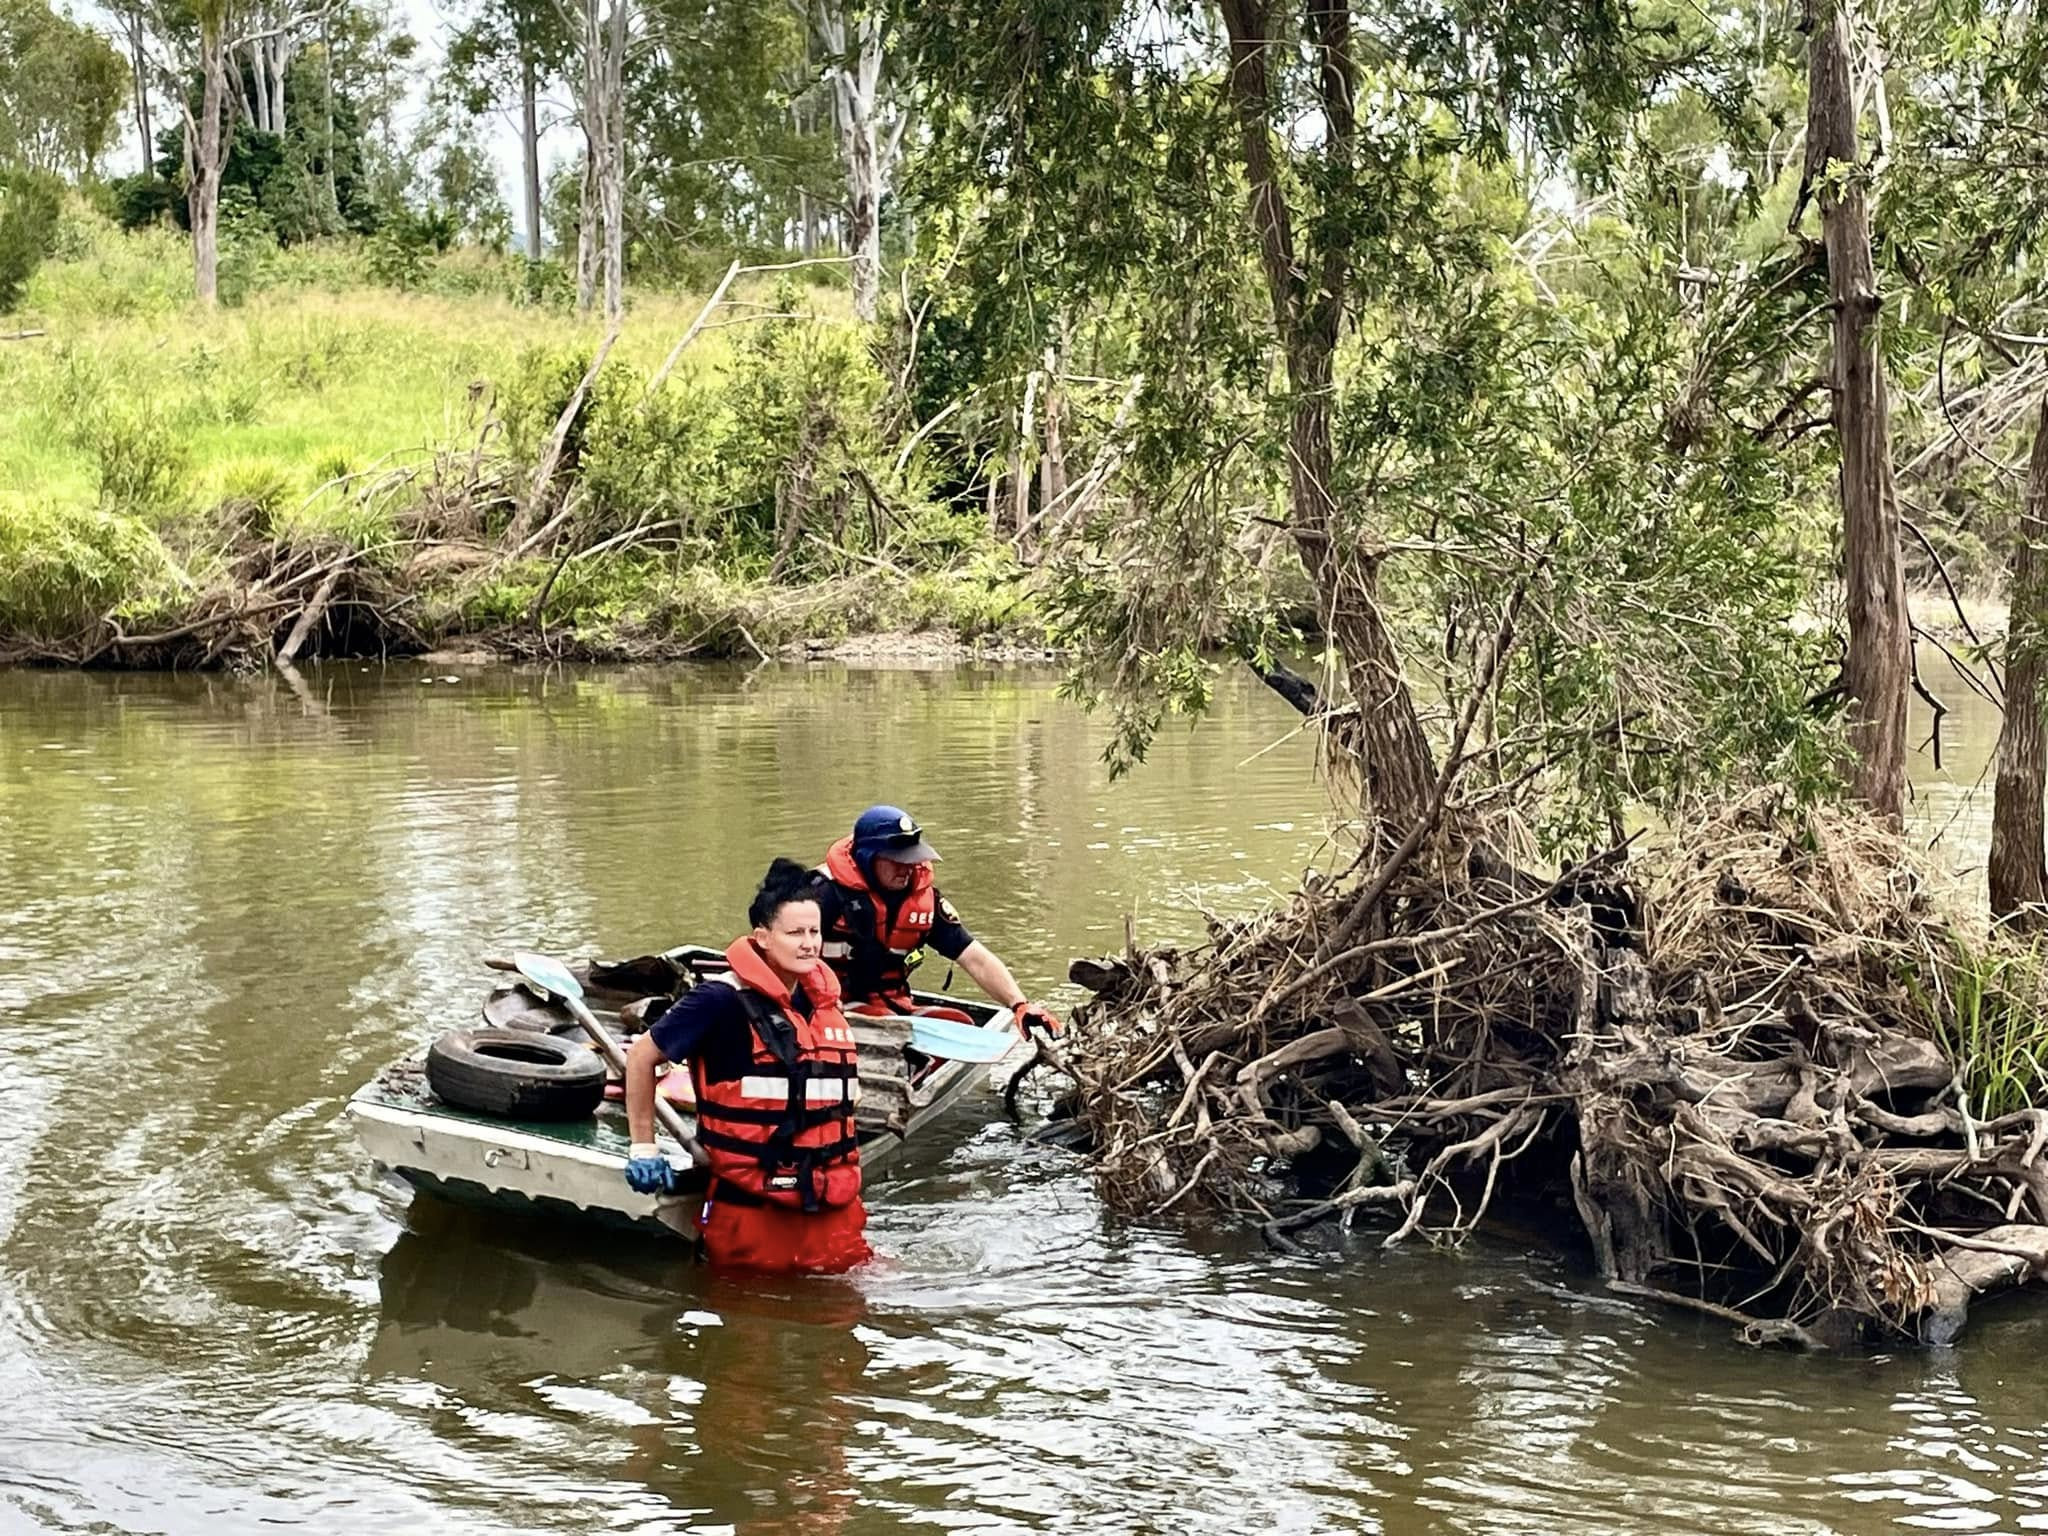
{"points": [[576, 1169]]}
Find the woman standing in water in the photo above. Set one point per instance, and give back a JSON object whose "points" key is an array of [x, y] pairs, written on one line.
{"points": [[773, 1063]]}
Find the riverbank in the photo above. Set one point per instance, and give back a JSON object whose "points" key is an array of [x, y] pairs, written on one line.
{"points": [[337, 468]]}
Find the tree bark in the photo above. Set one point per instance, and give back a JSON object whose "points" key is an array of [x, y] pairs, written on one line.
{"points": [[529, 147], [601, 244], [2019, 879], [259, 94], [281, 51], [1395, 759], [586, 234], [1052, 458], [206, 148], [333, 219], [1878, 667], [139, 64], [856, 80], [614, 185]]}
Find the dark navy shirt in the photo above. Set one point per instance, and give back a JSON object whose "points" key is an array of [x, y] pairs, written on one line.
{"points": [[708, 1025]]}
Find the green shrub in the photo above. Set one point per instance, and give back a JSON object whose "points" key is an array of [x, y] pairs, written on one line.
{"points": [[657, 460], [30, 202], [102, 273], [62, 567], [139, 455], [255, 490], [141, 201]]}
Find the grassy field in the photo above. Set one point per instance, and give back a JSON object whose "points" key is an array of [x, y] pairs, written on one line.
{"points": [[145, 443], [317, 374]]}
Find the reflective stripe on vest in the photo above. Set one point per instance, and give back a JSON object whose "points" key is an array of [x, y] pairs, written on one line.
{"points": [[774, 1091]]}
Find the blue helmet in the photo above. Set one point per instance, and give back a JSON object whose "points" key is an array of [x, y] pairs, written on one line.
{"points": [[891, 832]]}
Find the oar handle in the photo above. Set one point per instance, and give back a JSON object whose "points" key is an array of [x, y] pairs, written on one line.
{"points": [[665, 1112]]}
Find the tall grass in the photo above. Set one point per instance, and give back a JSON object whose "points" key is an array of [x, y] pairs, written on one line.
{"points": [[1992, 1022], [140, 402]]}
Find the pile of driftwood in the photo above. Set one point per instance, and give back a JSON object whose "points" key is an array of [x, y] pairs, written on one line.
{"points": [[272, 602], [1711, 1062]]}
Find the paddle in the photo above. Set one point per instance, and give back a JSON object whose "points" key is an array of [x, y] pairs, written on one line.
{"points": [[552, 976], [954, 1041]]}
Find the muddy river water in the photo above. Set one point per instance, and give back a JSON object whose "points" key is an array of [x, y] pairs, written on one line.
{"points": [[223, 904]]}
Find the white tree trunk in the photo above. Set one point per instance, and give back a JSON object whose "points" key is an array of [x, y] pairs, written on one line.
{"points": [[601, 246], [613, 188], [856, 79], [333, 219], [206, 151], [281, 50], [277, 58], [139, 69], [257, 101], [529, 147], [586, 235]]}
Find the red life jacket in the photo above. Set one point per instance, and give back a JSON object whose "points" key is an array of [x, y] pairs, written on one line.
{"points": [[784, 1134], [872, 945]]}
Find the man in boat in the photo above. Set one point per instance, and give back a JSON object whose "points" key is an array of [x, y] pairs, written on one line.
{"points": [[881, 911], [777, 1080]]}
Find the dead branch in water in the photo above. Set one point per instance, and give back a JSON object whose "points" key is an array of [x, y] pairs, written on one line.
{"points": [[1718, 1052]]}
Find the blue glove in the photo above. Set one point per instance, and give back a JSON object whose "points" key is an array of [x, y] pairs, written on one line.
{"points": [[651, 1175]]}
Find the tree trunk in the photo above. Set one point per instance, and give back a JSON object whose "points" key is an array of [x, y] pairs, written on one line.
{"points": [[586, 234], [256, 103], [601, 244], [856, 80], [529, 147], [1052, 459], [206, 148], [1020, 461], [281, 51], [139, 64], [333, 219], [614, 186], [1395, 759], [1878, 668], [2019, 880]]}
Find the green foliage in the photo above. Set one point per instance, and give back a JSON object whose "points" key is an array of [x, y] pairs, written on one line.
{"points": [[247, 241], [720, 158], [1575, 434], [1984, 1008], [255, 490], [29, 204], [143, 200], [139, 454], [793, 418], [401, 253], [62, 567], [61, 85], [109, 276]]}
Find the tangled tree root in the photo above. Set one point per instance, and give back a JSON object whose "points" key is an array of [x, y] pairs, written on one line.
{"points": [[1715, 1060]]}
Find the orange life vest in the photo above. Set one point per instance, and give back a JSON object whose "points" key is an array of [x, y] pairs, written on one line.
{"points": [[784, 1134], [872, 944]]}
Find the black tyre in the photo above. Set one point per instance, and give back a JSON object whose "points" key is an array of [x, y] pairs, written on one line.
{"points": [[516, 1073]]}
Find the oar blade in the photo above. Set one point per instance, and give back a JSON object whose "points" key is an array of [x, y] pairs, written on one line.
{"points": [[547, 973], [954, 1041]]}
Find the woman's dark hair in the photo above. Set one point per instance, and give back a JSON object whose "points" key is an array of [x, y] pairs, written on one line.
{"points": [[786, 881]]}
